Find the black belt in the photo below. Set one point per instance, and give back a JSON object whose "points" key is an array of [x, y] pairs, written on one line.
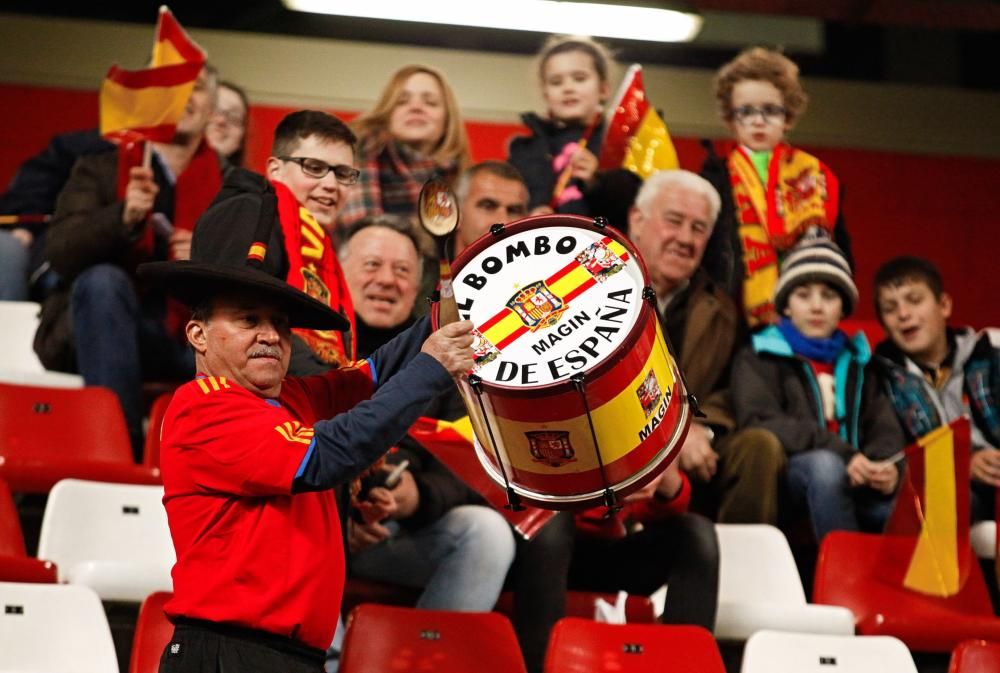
{"points": [[278, 642]]}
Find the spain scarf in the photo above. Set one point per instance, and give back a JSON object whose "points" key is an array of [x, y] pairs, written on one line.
{"points": [[801, 194], [314, 269]]}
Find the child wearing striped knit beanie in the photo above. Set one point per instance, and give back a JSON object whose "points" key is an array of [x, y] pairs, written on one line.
{"points": [[805, 380]]}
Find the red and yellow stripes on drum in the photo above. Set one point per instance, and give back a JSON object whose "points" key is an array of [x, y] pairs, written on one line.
{"points": [[629, 438], [567, 283]]}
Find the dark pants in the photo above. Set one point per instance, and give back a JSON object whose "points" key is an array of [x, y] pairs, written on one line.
{"points": [[120, 343], [208, 648], [682, 551]]}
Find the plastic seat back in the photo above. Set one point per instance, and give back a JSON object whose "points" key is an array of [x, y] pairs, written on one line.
{"points": [[18, 362], [784, 652], [386, 638], [152, 633], [111, 537], [54, 627], [47, 434], [578, 645], [975, 656]]}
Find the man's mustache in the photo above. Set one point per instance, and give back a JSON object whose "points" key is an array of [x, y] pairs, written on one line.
{"points": [[266, 352]]}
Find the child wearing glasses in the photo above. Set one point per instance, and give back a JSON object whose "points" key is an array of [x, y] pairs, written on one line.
{"points": [[310, 169], [779, 193]]}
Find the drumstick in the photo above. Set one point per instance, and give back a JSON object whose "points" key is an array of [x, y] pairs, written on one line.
{"points": [[567, 172]]}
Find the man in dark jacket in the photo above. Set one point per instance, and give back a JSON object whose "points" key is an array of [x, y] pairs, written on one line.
{"points": [[670, 225], [108, 218], [807, 383]]}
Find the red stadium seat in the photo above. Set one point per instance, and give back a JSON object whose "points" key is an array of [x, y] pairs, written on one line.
{"points": [[845, 575], [385, 638], [15, 564], [975, 656], [578, 645], [151, 447], [152, 633], [357, 590], [48, 434]]}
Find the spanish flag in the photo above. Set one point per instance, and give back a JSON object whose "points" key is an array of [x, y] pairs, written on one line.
{"points": [[635, 136], [926, 542], [148, 103]]}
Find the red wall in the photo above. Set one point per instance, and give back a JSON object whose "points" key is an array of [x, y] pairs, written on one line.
{"points": [[939, 207]]}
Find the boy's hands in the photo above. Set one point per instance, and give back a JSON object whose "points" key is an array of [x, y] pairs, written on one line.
{"points": [[985, 466], [879, 475]]}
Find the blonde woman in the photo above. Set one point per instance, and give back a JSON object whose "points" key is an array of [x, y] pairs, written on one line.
{"points": [[414, 132]]}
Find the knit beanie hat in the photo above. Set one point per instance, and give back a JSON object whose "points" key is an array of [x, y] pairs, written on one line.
{"points": [[816, 260]]}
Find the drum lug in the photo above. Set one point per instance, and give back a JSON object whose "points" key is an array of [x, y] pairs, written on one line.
{"points": [[497, 229], [649, 294], [513, 499], [600, 222], [579, 381]]}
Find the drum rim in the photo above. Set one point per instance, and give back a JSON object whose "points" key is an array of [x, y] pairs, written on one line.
{"points": [[534, 222]]}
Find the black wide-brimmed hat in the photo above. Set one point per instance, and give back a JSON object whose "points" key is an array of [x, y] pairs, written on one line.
{"points": [[234, 249]]}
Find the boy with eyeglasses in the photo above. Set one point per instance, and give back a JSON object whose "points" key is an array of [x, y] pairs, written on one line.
{"points": [[778, 193], [311, 164]]}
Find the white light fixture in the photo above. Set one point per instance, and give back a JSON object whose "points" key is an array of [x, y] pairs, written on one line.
{"points": [[545, 16]]}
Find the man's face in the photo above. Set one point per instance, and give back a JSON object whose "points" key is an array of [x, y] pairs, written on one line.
{"points": [[383, 274], [491, 199], [246, 340], [200, 107], [915, 319], [671, 237], [321, 196]]}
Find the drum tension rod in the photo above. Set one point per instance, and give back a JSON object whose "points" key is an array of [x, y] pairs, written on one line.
{"points": [[610, 499], [513, 499], [496, 229], [649, 294]]}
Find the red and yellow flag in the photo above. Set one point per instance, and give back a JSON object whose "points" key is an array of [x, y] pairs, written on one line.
{"points": [[148, 103], [926, 543], [635, 136]]}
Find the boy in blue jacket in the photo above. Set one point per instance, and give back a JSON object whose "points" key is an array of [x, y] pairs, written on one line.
{"points": [[807, 382]]}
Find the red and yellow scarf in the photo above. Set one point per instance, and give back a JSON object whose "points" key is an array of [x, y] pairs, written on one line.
{"points": [[314, 269], [801, 193]]}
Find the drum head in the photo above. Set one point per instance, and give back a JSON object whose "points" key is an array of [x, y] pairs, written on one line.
{"points": [[550, 296]]}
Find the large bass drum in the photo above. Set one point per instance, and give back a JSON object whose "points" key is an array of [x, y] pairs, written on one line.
{"points": [[574, 398]]}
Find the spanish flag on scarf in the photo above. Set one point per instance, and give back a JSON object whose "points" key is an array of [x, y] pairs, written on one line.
{"points": [[926, 542], [147, 104], [636, 137]]}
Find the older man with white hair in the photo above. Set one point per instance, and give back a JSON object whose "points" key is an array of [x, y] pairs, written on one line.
{"points": [[670, 224]]}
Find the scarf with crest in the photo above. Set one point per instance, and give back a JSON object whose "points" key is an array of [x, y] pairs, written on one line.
{"points": [[314, 269], [801, 194]]}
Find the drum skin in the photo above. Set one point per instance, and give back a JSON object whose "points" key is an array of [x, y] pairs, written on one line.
{"points": [[569, 329]]}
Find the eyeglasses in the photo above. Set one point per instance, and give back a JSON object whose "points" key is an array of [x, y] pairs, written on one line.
{"points": [[771, 114], [314, 168], [231, 117]]}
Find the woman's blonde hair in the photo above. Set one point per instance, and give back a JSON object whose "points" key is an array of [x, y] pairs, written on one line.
{"points": [[373, 126], [768, 65]]}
